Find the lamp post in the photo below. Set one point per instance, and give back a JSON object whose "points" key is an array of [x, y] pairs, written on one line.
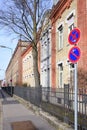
{"points": [[11, 69]]}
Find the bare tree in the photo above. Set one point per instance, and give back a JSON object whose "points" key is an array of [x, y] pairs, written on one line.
{"points": [[25, 17]]}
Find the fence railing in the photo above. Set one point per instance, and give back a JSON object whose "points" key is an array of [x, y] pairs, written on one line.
{"points": [[31, 94], [59, 102], [9, 90]]}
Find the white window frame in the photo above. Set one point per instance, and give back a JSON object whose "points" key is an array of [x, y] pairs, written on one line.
{"points": [[71, 27], [70, 20], [60, 46], [60, 72]]}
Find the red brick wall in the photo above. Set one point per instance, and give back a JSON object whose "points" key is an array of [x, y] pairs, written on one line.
{"points": [[53, 60], [82, 25]]}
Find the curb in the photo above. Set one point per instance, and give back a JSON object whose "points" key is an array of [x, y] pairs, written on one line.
{"points": [[55, 122], [38, 111]]}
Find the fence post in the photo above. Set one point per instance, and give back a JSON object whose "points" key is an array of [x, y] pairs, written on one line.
{"points": [[66, 102]]}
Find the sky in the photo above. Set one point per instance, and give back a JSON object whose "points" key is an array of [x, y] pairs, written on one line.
{"points": [[5, 53], [7, 40]]}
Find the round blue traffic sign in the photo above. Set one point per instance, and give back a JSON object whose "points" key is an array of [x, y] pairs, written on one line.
{"points": [[74, 54], [74, 36]]}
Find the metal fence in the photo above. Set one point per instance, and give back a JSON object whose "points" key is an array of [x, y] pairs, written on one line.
{"points": [[9, 90], [59, 102], [31, 94], [62, 104]]}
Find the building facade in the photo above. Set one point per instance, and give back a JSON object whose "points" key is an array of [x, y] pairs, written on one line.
{"points": [[28, 74], [45, 54], [14, 69], [65, 16], [54, 66], [28, 68]]}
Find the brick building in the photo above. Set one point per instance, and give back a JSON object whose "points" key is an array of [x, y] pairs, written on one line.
{"points": [[45, 53], [14, 69], [28, 76], [55, 66], [66, 15], [27, 68]]}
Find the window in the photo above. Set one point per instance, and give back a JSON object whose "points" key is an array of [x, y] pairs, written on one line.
{"points": [[72, 73], [71, 27], [60, 30], [70, 21], [60, 75]]}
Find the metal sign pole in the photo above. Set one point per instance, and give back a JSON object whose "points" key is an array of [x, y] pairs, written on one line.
{"points": [[74, 55], [76, 100]]}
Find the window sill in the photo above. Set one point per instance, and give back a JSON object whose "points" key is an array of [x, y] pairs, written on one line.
{"points": [[60, 49]]}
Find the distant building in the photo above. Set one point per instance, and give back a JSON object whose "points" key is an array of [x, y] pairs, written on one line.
{"points": [[28, 74], [14, 69], [28, 68]]}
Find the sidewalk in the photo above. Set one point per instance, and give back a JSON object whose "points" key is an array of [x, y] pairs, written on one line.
{"points": [[16, 113]]}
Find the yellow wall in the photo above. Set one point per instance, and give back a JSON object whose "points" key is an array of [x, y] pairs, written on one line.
{"points": [[28, 73], [62, 55]]}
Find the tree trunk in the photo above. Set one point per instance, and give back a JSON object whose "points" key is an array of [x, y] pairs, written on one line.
{"points": [[35, 67], [34, 51]]}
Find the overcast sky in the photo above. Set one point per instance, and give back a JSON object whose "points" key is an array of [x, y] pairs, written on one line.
{"points": [[9, 41]]}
